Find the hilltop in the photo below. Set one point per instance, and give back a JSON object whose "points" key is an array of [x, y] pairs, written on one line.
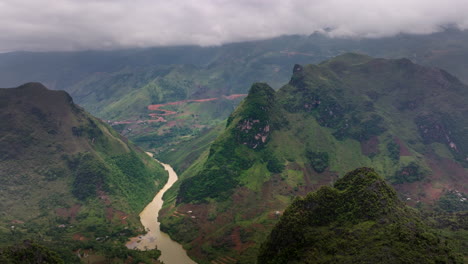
{"points": [[358, 220], [69, 181]]}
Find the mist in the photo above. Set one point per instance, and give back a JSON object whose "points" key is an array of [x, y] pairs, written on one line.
{"points": [[63, 25]]}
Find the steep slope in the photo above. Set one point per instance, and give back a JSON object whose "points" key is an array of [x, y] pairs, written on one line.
{"points": [[68, 180], [358, 220], [405, 120], [249, 129]]}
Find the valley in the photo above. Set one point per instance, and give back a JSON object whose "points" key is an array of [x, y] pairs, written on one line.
{"points": [[259, 133], [70, 182], [327, 120], [171, 252]]}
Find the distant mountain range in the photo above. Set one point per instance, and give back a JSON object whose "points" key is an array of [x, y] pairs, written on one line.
{"points": [[405, 120], [119, 85], [78, 184], [69, 181]]}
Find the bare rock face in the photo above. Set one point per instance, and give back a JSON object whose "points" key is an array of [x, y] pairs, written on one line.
{"points": [[256, 117]]}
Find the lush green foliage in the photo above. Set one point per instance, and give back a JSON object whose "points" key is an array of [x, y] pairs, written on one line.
{"points": [[28, 252], [70, 176], [409, 173], [318, 160], [89, 130], [360, 220], [453, 201], [346, 107], [237, 150], [274, 164], [394, 150], [219, 176], [318, 91], [89, 176]]}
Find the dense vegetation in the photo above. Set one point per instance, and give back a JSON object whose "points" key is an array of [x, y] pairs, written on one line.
{"points": [[394, 151], [28, 252], [346, 112], [318, 160], [454, 201], [69, 182], [351, 107], [89, 175], [410, 173], [359, 220], [250, 127]]}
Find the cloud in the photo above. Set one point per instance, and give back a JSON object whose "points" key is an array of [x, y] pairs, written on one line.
{"points": [[107, 24]]}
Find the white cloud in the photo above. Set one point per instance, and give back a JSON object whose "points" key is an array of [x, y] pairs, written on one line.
{"points": [[102, 24]]}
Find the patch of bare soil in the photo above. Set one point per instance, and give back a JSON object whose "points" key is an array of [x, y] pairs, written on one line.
{"points": [[446, 175], [68, 213], [404, 151], [314, 180], [370, 146], [235, 237], [79, 237], [113, 214]]}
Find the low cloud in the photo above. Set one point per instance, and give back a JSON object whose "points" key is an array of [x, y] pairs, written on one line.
{"points": [[39, 25]]}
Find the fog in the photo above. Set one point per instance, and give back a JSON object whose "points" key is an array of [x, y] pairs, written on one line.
{"points": [[43, 25]]}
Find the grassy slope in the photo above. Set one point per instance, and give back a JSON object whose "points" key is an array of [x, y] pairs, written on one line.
{"points": [[62, 166]]}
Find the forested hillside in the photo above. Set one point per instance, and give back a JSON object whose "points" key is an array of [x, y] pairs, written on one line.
{"points": [[69, 181]]}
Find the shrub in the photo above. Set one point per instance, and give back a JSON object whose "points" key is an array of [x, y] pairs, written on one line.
{"points": [[453, 201], [318, 160], [394, 151], [410, 173], [89, 175]]}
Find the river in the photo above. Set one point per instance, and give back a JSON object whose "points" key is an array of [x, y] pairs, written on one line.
{"points": [[171, 251]]}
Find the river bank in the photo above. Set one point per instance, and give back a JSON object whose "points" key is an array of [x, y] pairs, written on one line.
{"points": [[171, 251]]}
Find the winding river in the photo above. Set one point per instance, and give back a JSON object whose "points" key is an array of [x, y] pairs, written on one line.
{"points": [[171, 251]]}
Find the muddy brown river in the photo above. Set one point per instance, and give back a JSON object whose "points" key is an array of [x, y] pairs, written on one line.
{"points": [[171, 251]]}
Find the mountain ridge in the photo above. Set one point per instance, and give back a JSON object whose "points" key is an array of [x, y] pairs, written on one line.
{"points": [[348, 112], [118, 85]]}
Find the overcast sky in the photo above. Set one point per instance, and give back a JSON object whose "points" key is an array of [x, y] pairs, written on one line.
{"points": [[107, 24]]}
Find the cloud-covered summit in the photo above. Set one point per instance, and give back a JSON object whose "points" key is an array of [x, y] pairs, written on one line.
{"points": [[107, 24]]}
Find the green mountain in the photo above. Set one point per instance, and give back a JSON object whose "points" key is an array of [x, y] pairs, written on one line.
{"points": [[69, 181], [358, 220], [405, 120], [120, 85]]}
